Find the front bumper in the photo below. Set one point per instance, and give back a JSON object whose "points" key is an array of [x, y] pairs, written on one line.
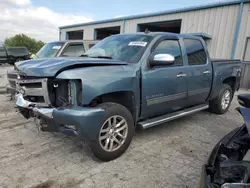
{"points": [[78, 121]]}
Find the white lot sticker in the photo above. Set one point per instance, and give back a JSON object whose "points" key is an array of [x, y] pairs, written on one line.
{"points": [[137, 43], [56, 47]]}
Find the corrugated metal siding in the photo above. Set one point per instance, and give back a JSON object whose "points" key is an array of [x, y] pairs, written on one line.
{"points": [[219, 22], [89, 30], [244, 31]]}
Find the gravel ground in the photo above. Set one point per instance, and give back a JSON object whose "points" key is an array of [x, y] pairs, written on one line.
{"points": [[3, 77], [169, 155]]}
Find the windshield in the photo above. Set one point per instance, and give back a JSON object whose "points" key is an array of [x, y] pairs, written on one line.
{"points": [[49, 50], [127, 48]]}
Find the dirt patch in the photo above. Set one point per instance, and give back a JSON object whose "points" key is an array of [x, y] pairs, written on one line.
{"points": [[17, 145], [72, 183], [4, 157], [189, 152], [45, 184], [168, 156]]}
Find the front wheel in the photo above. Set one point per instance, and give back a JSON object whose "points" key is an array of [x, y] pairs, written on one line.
{"points": [[221, 104], [115, 134]]}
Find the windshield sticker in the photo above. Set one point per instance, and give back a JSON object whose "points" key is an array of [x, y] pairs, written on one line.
{"points": [[138, 43], [56, 47]]}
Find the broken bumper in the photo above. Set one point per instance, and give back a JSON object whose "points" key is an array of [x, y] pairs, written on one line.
{"points": [[77, 121]]}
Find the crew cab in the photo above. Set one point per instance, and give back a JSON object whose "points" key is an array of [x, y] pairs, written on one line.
{"points": [[123, 82], [69, 48], [13, 54]]}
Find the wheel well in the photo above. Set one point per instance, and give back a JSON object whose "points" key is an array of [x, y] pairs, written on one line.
{"points": [[230, 81], [125, 98]]}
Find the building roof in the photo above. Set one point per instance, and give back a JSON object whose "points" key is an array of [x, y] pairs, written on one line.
{"points": [[171, 35], [211, 5]]}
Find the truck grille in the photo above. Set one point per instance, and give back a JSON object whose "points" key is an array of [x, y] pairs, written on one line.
{"points": [[12, 76], [12, 83], [47, 92], [34, 90]]}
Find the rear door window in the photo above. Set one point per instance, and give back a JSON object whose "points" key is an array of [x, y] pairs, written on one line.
{"points": [[2, 52], [2, 49], [17, 51], [73, 50], [195, 52]]}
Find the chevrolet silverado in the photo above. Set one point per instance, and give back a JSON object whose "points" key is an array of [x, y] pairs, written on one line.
{"points": [[123, 82]]}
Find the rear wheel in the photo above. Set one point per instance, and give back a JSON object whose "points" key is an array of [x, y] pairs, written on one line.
{"points": [[115, 134], [221, 104]]}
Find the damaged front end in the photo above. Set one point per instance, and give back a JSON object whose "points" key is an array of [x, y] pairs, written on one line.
{"points": [[56, 106], [229, 163]]}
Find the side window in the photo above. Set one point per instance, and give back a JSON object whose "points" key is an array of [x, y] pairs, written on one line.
{"points": [[74, 50], [170, 47], [2, 51], [195, 52]]}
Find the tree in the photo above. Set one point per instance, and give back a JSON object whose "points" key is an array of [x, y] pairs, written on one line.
{"points": [[23, 40]]}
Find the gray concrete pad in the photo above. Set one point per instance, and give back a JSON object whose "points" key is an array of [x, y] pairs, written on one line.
{"points": [[3, 77], [170, 155]]}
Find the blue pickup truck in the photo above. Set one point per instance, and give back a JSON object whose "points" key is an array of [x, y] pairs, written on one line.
{"points": [[123, 82]]}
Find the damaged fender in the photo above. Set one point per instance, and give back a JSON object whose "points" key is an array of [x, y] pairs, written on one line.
{"points": [[96, 81]]}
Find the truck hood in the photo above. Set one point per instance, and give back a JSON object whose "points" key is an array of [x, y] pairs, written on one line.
{"points": [[51, 66]]}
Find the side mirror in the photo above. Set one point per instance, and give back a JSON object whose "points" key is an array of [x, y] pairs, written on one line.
{"points": [[162, 60]]}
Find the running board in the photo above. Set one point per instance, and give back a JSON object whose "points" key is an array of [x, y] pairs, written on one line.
{"points": [[168, 117]]}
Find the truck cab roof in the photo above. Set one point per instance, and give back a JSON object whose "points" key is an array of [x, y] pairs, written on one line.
{"points": [[76, 41], [174, 35]]}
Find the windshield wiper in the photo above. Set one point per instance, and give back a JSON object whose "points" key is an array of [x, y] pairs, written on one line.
{"points": [[102, 56], [84, 55]]}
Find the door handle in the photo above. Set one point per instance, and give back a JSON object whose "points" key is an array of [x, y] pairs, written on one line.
{"points": [[181, 75], [207, 72]]}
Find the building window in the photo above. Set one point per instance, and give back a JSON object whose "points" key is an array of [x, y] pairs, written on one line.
{"points": [[74, 35], [195, 52]]}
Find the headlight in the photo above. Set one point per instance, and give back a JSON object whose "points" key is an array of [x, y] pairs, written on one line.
{"points": [[72, 93], [65, 92]]}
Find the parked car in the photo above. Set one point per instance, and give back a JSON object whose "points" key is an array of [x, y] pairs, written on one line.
{"points": [[229, 163], [13, 54], [69, 48], [73, 48], [124, 81]]}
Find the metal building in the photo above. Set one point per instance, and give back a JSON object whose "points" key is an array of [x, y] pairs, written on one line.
{"points": [[225, 26]]}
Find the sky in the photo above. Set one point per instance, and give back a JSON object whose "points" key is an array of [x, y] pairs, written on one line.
{"points": [[40, 19]]}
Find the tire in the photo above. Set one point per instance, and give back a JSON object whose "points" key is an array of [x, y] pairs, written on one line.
{"points": [[113, 111], [216, 105]]}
